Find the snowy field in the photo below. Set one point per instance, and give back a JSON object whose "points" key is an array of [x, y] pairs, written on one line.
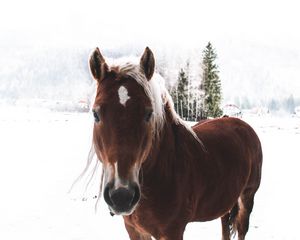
{"points": [[42, 152]]}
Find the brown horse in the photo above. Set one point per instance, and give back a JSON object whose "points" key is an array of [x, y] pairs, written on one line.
{"points": [[159, 173]]}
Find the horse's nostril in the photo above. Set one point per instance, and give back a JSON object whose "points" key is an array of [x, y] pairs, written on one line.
{"points": [[122, 198], [137, 195], [107, 196]]}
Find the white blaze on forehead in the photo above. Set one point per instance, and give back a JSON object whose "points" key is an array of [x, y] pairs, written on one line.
{"points": [[123, 95]]}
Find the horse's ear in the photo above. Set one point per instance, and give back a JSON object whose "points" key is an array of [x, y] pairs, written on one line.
{"points": [[98, 66], [147, 63]]}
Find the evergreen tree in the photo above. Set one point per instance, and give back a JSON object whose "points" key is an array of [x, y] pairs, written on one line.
{"points": [[273, 105], [189, 92], [211, 83], [182, 94], [174, 94], [197, 104], [290, 104], [200, 101]]}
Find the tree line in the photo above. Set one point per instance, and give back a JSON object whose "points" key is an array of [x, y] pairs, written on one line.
{"points": [[194, 101]]}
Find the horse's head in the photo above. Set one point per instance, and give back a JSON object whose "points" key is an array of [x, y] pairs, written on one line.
{"points": [[124, 114]]}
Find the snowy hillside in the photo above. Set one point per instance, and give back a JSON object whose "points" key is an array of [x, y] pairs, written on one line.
{"points": [[44, 73], [251, 73], [43, 152], [258, 72]]}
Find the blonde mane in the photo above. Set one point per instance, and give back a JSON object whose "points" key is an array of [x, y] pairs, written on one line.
{"points": [[159, 96]]}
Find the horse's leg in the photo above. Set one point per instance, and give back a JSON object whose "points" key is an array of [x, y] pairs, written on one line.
{"points": [[172, 238], [228, 223], [174, 233], [225, 227], [246, 202], [135, 235]]}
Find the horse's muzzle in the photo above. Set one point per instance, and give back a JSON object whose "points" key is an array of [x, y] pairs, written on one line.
{"points": [[122, 200]]}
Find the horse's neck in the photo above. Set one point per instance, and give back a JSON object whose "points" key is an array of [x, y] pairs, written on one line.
{"points": [[173, 150]]}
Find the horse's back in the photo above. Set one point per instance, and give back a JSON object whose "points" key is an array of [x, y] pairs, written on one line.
{"points": [[226, 131], [234, 156], [235, 135]]}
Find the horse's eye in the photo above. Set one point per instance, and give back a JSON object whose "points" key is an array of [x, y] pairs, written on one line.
{"points": [[148, 114], [96, 116]]}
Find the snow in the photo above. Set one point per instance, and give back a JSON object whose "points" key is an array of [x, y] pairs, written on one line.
{"points": [[42, 153]]}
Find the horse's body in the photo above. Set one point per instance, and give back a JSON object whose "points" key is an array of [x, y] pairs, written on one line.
{"points": [[180, 175], [205, 185]]}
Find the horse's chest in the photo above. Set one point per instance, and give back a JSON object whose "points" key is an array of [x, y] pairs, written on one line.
{"points": [[143, 223]]}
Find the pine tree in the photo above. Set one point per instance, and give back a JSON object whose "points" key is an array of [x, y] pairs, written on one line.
{"points": [[174, 94], [197, 104], [200, 101], [180, 93], [189, 92], [273, 105], [211, 83], [290, 104]]}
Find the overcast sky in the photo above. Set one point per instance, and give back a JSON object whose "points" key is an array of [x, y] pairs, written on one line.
{"points": [[112, 23]]}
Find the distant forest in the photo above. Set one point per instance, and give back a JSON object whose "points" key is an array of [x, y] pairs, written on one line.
{"points": [[251, 79]]}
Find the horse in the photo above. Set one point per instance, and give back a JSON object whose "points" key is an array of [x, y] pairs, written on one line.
{"points": [[159, 173]]}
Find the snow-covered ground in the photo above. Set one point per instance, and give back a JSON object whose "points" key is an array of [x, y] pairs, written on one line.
{"points": [[42, 152]]}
